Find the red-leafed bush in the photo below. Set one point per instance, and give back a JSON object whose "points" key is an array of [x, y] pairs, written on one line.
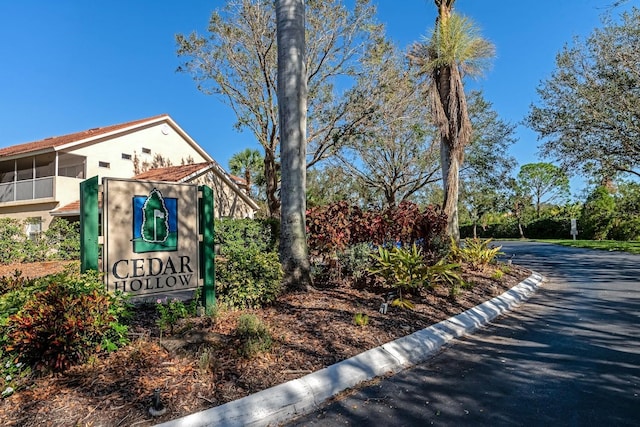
{"points": [[329, 227], [72, 318], [335, 227]]}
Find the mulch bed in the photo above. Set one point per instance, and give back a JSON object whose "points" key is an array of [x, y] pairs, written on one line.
{"points": [[198, 367]]}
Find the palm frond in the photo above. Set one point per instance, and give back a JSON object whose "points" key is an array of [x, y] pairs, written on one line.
{"points": [[453, 42]]}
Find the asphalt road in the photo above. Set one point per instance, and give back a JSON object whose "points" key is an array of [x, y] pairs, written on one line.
{"points": [[570, 356]]}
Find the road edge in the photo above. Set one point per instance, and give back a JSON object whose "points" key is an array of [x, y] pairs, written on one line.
{"points": [[303, 395]]}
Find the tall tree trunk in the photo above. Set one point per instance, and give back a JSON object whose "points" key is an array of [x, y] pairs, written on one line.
{"points": [[390, 196], [247, 180], [271, 185], [292, 110], [450, 160], [452, 119], [520, 229]]}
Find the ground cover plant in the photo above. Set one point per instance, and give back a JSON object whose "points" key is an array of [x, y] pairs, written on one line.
{"points": [[249, 342]]}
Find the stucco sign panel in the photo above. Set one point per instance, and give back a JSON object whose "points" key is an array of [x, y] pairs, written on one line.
{"points": [[150, 236]]}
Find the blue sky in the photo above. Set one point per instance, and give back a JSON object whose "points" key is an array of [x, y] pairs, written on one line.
{"points": [[74, 65]]}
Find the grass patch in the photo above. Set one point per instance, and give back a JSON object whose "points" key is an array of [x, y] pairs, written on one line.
{"points": [[605, 245]]}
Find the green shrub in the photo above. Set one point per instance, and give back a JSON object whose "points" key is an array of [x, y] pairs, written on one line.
{"points": [[247, 277], [406, 270], [12, 240], [598, 211], [206, 359], [454, 291], [61, 241], [542, 228], [625, 229], [234, 234], [475, 252], [14, 282], [34, 250], [195, 303], [72, 317], [15, 291], [444, 273], [64, 239], [170, 311], [253, 334], [401, 268], [502, 230], [506, 230], [548, 228], [356, 260]]}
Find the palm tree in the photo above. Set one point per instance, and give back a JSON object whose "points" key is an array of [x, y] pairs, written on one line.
{"points": [[247, 162], [292, 112], [453, 51]]}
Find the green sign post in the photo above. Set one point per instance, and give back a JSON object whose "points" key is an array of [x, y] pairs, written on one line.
{"points": [[89, 225], [207, 248]]}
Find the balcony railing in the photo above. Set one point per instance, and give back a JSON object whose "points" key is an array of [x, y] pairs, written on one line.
{"points": [[31, 189]]}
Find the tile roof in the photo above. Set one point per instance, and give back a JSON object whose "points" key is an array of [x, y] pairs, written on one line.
{"points": [[185, 173], [168, 174], [172, 173], [72, 208], [70, 138], [237, 180]]}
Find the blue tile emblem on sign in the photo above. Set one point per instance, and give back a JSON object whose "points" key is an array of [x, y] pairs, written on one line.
{"points": [[155, 223]]}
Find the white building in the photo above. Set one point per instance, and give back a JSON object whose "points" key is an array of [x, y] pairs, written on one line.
{"points": [[40, 180]]}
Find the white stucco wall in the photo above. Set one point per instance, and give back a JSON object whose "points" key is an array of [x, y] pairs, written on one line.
{"points": [[160, 138]]}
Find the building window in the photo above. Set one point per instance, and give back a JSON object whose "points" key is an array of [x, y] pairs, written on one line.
{"points": [[146, 150], [24, 168], [34, 228], [7, 171], [45, 165], [126, 156], [71, 165], [104, 164]]}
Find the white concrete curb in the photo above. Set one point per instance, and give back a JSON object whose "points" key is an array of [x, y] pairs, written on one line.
{"points": [[303, 395]]}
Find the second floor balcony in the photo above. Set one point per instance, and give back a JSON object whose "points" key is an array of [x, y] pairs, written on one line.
{"points": [[37, 177], [40, 188]]}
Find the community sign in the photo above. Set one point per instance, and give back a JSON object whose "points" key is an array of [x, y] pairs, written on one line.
{"points": [[150, 236]]}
